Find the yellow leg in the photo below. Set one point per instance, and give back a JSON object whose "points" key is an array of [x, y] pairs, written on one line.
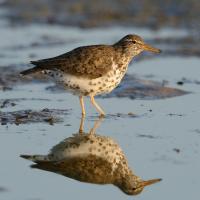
{"points": [[94, 103], [82, 105]]}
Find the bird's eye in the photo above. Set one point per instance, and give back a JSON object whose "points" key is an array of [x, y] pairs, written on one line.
{"points": [[134, 42]]}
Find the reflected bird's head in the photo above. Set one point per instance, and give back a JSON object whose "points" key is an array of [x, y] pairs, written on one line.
{"points": [[134, 185]]}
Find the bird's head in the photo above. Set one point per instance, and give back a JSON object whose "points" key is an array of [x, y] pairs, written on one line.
{"points": [[134, 45], [134, 185]]}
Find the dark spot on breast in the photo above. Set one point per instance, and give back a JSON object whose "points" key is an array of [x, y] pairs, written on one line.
{"points": [[86, 93], [90, 62]]}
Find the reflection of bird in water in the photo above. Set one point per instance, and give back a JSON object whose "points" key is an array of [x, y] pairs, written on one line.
{"points": [[91, 158]]}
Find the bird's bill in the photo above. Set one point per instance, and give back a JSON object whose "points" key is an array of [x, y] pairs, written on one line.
{"points": [[150, 182], [147, 47]]}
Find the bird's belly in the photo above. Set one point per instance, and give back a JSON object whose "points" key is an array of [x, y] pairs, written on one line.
{"points": [[86, 86]]}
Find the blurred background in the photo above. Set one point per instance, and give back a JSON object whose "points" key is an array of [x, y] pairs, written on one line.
{"points": [[152, 14], [161, 141]]}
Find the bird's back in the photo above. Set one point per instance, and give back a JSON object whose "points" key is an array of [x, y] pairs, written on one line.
{"points": [[91, 61]]}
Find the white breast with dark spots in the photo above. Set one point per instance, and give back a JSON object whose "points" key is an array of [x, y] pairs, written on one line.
{"points": [[85, 86]]}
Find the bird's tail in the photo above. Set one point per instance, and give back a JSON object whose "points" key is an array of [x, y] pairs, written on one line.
{"points": [[29, 71], [35, 158]]}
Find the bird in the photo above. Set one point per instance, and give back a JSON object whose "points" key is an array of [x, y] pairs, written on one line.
{"points": [[91, 158], [92, 70]]}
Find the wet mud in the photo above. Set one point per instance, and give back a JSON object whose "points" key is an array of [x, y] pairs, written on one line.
{"points": [[3, 189], [50, 116], [136, 88]]}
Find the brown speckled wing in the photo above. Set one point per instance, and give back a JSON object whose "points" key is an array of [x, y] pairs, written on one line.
{"points": [[89, 61]]}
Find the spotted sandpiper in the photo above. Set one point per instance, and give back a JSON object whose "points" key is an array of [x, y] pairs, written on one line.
{"points": [[92, 70], [91, 158]]}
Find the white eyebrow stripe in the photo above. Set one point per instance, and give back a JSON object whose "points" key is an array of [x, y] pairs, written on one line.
{"points": [[129, 40]]}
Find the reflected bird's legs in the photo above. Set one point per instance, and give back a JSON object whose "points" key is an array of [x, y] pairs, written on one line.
{"points": [[93, 129], [96, 125], [81, 128]]}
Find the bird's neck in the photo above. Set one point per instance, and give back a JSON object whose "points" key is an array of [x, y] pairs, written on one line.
{"points": [[125, 180], [123, 55], [122, 172]]}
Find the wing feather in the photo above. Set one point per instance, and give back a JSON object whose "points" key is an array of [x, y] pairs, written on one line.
{"points": [[91, 61]]}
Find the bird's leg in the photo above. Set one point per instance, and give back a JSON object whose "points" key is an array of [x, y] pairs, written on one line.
{"points": [[94, 103], [81, 128], [96, 125], [82, 105]]}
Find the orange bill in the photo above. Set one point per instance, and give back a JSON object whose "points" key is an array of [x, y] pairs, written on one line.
{"points": [[147, 47]]}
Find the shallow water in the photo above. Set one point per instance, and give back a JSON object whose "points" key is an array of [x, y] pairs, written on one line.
{"points": [[161, 141]]}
